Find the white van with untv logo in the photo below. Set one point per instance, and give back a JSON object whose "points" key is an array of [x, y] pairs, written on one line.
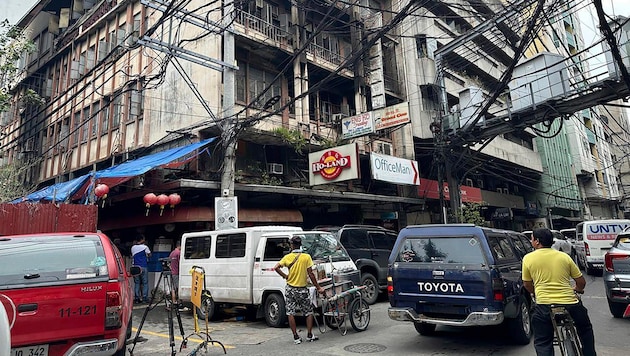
{"points": [[594, 239]]}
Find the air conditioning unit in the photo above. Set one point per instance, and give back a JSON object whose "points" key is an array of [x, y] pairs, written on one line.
{"points": [[336, 118], [275, 168]]}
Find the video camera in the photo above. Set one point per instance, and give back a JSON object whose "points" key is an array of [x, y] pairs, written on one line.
{"points": [[166, 263]]}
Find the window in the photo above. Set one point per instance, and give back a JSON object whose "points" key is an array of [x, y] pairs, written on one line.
{"points": [[464, 250], [501, 248], [276, 248], [354, 239], [252, 81], [117, 112], [96, 108], [197, 247], [421, 46], [85, 126], [135, 105], [105, 115], [55, 258], [230, 246], [76, 123], [382, 240]]}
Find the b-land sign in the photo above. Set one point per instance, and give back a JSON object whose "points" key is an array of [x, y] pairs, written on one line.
{"points": [[334, 164], [394, 170]]}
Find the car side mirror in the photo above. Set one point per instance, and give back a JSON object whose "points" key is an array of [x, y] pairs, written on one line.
{"points": [[135, 271]]}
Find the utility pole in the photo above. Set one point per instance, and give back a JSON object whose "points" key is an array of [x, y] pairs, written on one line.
{"points": [[229, 122]]}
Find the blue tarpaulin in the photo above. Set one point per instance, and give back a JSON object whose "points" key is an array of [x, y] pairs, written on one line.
{"points": [[76, 188]]}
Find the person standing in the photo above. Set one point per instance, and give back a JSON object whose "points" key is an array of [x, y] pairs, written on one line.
{"points": [[297, 295], [547, 275], [174, 258], [140, 254]]}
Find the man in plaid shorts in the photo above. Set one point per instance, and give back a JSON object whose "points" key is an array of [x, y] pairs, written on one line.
{"points": [[296, 294]]}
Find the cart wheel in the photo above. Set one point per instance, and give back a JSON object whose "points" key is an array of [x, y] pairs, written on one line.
{"points": [[359, 314], [332, 315]]}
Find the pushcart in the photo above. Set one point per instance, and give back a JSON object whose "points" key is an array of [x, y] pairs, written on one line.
{"points": [[343, 300]]}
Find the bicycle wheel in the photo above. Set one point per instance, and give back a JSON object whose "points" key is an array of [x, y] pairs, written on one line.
{"points": [[359, 314], [571, 341]]}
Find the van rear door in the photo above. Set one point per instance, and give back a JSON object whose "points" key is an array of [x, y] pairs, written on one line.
{"points": [[441, 275]]}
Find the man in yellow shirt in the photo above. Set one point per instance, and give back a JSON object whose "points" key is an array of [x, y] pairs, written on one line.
{"points": [[296, 293], [547, 274]]}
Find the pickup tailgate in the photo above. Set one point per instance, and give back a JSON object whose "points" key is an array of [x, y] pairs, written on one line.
{"points": [[70, 311], [441, 276]]}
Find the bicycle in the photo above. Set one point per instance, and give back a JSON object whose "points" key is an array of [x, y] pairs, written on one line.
{"points": [[346, 303], [565, 332]]}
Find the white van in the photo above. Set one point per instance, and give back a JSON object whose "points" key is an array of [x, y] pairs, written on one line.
{"points": [[594, 239], [239, 266]]}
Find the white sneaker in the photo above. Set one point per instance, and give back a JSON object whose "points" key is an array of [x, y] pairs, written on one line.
{"points": [[297, 341], [312, 338]]}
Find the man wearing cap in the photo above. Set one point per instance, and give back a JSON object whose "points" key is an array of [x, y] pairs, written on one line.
{"points": [[297, 296]]}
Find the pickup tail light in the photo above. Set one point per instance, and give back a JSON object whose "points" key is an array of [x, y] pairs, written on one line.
{"points": [[390, 286], [113, 310], [497, 289], [610, 257], [587, 250]]}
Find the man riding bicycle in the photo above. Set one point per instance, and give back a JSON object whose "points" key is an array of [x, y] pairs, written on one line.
{"points": [[547, 274]]}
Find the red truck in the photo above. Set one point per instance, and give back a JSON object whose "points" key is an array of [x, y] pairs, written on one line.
{"points": [[65, 294]]}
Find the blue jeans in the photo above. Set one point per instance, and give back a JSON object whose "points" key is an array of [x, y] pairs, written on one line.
{"points": [[142, 278]]}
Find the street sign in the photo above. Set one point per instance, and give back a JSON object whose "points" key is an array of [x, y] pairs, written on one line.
{"points": [[225, 213]]}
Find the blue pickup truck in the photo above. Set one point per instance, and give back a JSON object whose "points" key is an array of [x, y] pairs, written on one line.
{"points": [[459, 275]]}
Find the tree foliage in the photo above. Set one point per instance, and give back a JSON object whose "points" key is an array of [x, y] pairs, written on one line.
{"points": [[10, 183], [14, 43], [470, 213]]}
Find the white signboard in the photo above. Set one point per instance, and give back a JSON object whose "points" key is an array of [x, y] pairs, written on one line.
{"points": [[334, 164], [394, 170], [391, 116], [225, 213], [356, 126]]}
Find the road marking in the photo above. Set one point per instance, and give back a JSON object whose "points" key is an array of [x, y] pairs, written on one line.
{"points": [[179, 338]]}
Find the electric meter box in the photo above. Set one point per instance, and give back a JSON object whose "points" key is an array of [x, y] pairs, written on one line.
{"points": [[540, 78]]}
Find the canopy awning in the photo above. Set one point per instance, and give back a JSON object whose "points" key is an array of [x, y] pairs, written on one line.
{"points": [[77, 188]]}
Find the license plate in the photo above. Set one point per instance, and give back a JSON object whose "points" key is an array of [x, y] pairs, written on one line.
{"points": [[36, 350]]}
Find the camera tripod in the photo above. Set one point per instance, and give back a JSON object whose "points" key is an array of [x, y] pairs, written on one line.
{"points": [[171, 304]]}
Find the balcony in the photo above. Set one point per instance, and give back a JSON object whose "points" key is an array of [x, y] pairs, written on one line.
{"points": [[324, 54], [262, 31]]}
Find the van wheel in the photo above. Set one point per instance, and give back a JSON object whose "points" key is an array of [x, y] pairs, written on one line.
{"points": [[425, 329], [370, 293], [275, 311], [520, 328], [208, 307]]}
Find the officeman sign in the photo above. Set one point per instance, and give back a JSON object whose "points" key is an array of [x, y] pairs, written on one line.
{"points": [[394, 170], [334, 164]]}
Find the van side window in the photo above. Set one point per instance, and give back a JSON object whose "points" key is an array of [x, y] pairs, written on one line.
{"points": [[275, 249], [526, 243], [230, 246], [197, 247]]}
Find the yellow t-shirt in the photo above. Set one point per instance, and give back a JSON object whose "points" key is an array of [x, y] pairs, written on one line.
{"points": [[297, 274], [551, 271]]}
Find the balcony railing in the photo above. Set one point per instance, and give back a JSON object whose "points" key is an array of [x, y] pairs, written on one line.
{"points": [[265, 28], [324, 53]]}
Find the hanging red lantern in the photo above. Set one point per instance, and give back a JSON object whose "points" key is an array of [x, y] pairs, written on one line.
{"points": [[174, 199], [162, 200], [101, 192], [149, 199]]}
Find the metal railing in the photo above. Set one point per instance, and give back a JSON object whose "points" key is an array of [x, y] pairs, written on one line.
{"points": [[257, 24]]}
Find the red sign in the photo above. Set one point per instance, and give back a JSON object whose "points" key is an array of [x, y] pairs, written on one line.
{"points": [[331, 164], [429, 189]]}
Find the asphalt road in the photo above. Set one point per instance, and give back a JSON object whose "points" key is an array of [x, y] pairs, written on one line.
{"points": [[383, 336]]}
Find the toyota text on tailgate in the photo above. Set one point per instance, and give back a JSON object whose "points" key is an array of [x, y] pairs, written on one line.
{"points": [[67, 294], [456, 275]]}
